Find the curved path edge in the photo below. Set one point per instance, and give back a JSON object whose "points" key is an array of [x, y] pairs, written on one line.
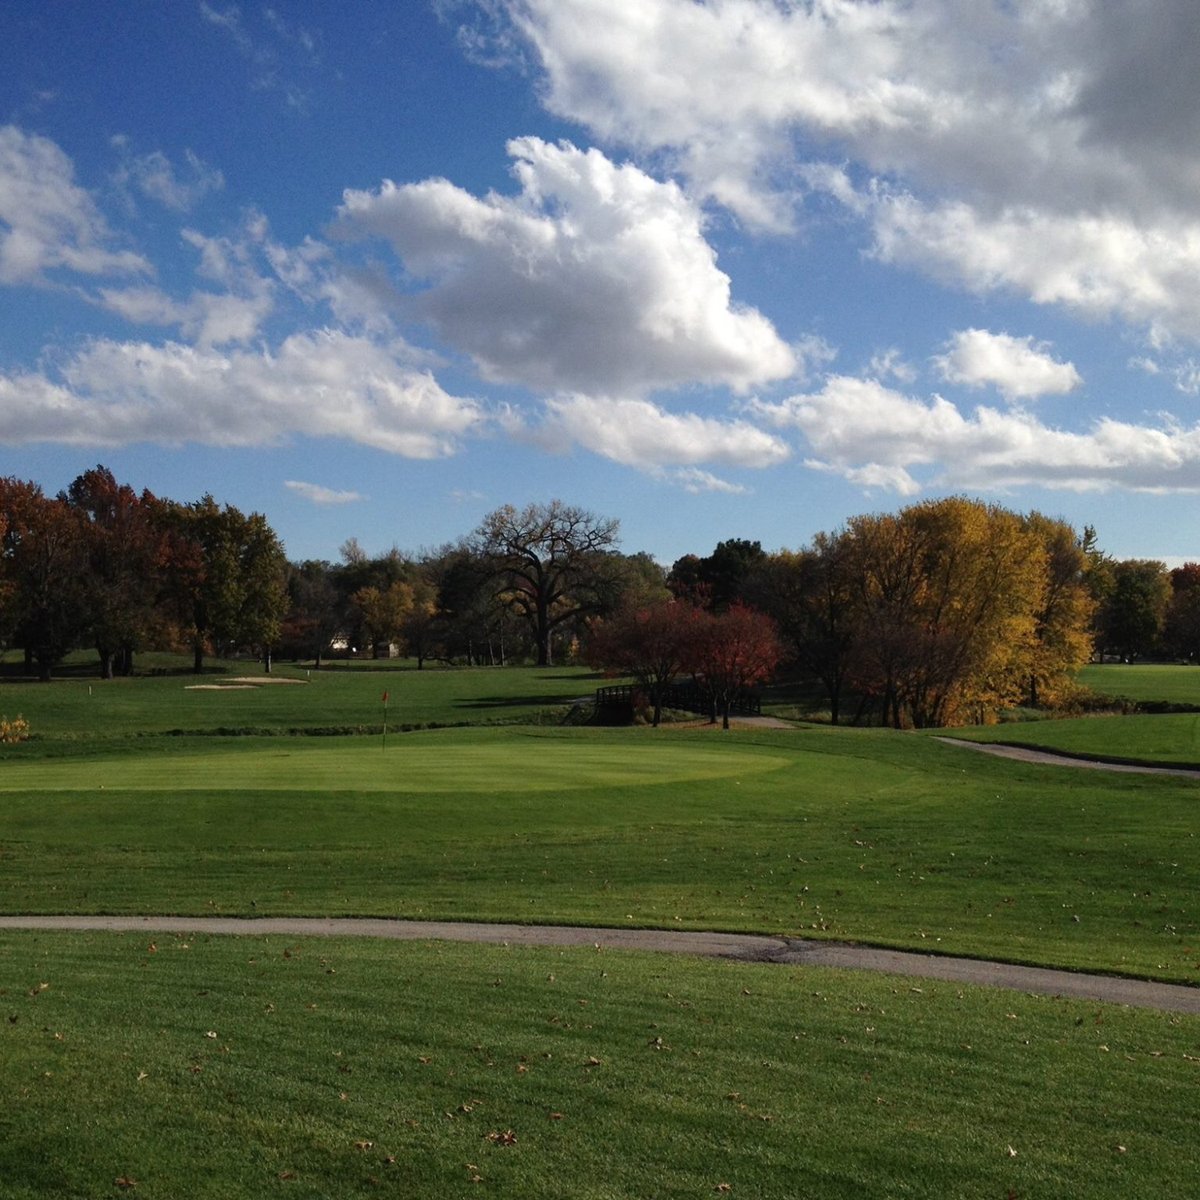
{"points": [[1030, 755], [1169, 997]]}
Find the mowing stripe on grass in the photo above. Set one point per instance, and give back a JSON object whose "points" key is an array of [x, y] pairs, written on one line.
{"points": [[785, 951]]}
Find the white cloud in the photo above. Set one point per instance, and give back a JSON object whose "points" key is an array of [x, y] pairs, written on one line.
{"points": [[696, 481], [1017, 366], [320, 384], [596, 278], [155, 176], [880, 438], [208, 318], [47, 222], [641, 434], [994, 145], [890, 364], [318, 494]]}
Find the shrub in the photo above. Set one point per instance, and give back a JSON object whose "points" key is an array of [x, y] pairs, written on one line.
{"points": [[13, 731]]}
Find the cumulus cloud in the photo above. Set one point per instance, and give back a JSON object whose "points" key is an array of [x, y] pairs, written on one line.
{"points": [[596, 278], [997, 145], [641, 434], [318, 384], [207, 317], [880, 438], [318, 494], [47, 222], [1017, 366]]}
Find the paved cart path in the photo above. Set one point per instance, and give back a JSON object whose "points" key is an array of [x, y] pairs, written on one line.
{"points": [[747, 947], [1029, 755]]}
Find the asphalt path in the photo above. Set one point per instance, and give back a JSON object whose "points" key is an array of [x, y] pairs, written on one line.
{"points": [[1026, 754], [793, 952]]}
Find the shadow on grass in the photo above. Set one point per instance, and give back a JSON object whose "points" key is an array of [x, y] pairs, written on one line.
{"points": [[538, 701]]}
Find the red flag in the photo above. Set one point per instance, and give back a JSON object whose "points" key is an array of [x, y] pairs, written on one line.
{"points": [[385, 697]]}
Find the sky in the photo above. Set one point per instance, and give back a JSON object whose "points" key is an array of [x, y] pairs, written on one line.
{"points": [[716, 268]]}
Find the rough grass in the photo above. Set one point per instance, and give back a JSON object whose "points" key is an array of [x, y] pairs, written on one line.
{"points": [[240, 1068]]}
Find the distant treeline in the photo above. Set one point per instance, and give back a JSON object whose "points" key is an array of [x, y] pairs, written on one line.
{"points": [[929, 615]]}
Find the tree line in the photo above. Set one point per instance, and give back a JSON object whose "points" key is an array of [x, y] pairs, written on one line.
{"points": [[939, 613]]}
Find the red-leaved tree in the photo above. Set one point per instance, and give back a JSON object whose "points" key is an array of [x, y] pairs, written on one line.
{"points": [[735, 651], [654, 644]]}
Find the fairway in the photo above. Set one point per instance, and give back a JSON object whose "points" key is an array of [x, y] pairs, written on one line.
{"points": [[404, 765]]}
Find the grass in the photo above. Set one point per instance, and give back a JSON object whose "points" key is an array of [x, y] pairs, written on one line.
{"points": [[1166, 682], [1161, 739], [85, 709], [256, 1067], [860, 834], [244, 1067]]}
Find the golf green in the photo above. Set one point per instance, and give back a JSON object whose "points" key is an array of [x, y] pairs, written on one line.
{"points": [[438, 765]]}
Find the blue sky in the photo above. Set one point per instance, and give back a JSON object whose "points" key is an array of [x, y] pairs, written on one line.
{"points": [[731, 268]]}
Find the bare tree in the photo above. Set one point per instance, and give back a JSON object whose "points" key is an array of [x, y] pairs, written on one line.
{"points": [[553, 563]]}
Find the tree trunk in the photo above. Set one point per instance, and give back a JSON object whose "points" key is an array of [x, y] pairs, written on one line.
{"points": [[267, 661], [106, 664], [197, 660]]}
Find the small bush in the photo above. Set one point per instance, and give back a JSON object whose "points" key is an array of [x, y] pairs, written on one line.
{"points": [[14, 730]]}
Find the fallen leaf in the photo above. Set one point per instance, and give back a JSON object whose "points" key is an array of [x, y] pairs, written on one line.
{"points": [[362, 1145], [723, 1187], [1011, 1152], [594, 1062], [125, 1181], [287, 1174], [556, 1116], [507, 1138]]}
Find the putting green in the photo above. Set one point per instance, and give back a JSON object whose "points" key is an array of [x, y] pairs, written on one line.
{"points": [[448, 765]]}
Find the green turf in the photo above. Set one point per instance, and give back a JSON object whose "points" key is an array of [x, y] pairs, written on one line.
{"points": [[241, 1068], [868, 835], [89, 709], [1168, 682], [1167, 738]]}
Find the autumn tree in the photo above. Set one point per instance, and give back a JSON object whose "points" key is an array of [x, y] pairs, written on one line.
{"points": [[947, 596], [551, 563], [734, 652], [123, 557], [384, 611], [421, 627], [1062, 633], [42, 563], [654, 644]]}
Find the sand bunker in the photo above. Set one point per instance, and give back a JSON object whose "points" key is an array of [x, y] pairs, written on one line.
{"points": [[243, 683], [257, 680]]}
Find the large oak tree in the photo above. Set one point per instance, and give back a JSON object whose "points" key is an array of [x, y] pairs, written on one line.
{"points": [[552, 564]]}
